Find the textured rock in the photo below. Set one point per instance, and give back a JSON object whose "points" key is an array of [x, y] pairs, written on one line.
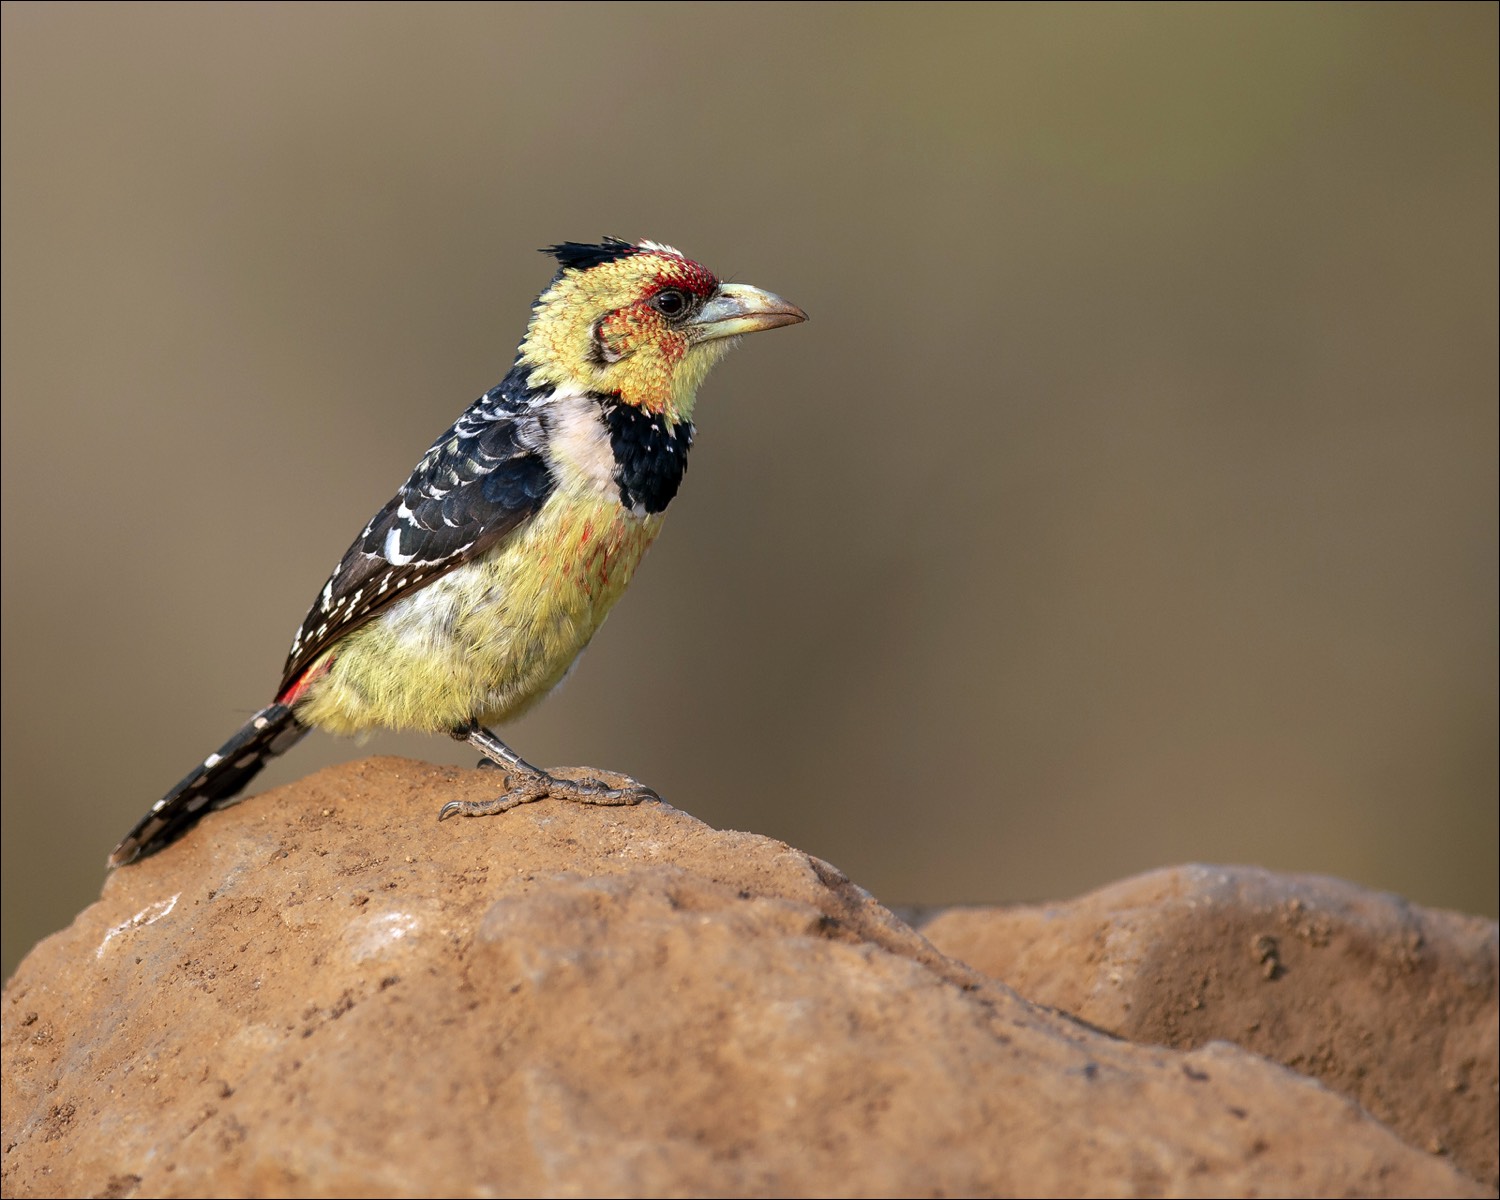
{"points": [[1393, 1005], [324, 992]]}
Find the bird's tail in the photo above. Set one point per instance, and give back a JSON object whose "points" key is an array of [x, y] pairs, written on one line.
{"points": [[270, 732]]}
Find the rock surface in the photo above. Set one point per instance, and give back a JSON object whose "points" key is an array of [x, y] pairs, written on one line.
{"points": [[1394, 1005], [323, 992]]}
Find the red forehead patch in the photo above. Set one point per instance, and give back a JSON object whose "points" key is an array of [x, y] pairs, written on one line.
{"points": [[683, 273]]}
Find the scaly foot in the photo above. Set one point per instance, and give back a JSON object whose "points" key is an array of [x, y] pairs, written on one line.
{"points": [[530, 786], [526, 784]]}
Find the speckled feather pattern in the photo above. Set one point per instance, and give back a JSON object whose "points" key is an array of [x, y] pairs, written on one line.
{"points": [[471, 593], [492, 637]]}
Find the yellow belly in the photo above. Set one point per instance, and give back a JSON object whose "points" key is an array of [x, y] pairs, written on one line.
{"points": [[488, 639]]}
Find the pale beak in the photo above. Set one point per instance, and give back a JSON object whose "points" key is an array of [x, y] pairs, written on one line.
{"points": [[738, 308]]}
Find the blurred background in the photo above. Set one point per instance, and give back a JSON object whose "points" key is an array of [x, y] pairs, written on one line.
{"points": [[1129, 500]]}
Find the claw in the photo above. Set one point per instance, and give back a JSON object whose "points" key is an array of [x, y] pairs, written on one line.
{"points": [[527, 789], [527, 784], [482, 808]]}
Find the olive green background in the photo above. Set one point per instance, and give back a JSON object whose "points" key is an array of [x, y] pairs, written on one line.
{"points": [[1129, 499]]}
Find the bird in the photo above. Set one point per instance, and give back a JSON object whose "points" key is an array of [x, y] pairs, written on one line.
{"points": [[469, 596]]}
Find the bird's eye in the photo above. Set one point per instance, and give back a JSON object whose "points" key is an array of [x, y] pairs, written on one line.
{"points": [[670, 302]]}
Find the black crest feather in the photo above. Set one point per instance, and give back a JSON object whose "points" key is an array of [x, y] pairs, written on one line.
{"points": [[581, 256]]}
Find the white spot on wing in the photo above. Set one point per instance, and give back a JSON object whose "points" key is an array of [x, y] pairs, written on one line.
{"points": [[392, 549]]}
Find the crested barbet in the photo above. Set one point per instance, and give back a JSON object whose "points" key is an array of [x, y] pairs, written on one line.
{"points": [[467, 598]]}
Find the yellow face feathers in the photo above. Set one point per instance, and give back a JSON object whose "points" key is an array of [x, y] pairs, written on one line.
{"points": [[646, 327]]}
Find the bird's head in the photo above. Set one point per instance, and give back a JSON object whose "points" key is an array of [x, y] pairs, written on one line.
{"points": [[640, 321]]}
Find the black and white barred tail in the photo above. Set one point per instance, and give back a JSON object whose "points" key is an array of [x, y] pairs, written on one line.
{"points": [[224, 773]]}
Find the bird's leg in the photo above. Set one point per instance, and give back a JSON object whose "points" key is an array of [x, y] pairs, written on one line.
{"points": [[527, 784]]}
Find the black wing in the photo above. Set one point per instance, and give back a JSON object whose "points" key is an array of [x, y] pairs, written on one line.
{"points": [[481, 480]]}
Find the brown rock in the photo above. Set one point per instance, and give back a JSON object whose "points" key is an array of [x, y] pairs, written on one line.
{"points": [[1391, 1004], [324, 992]]}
